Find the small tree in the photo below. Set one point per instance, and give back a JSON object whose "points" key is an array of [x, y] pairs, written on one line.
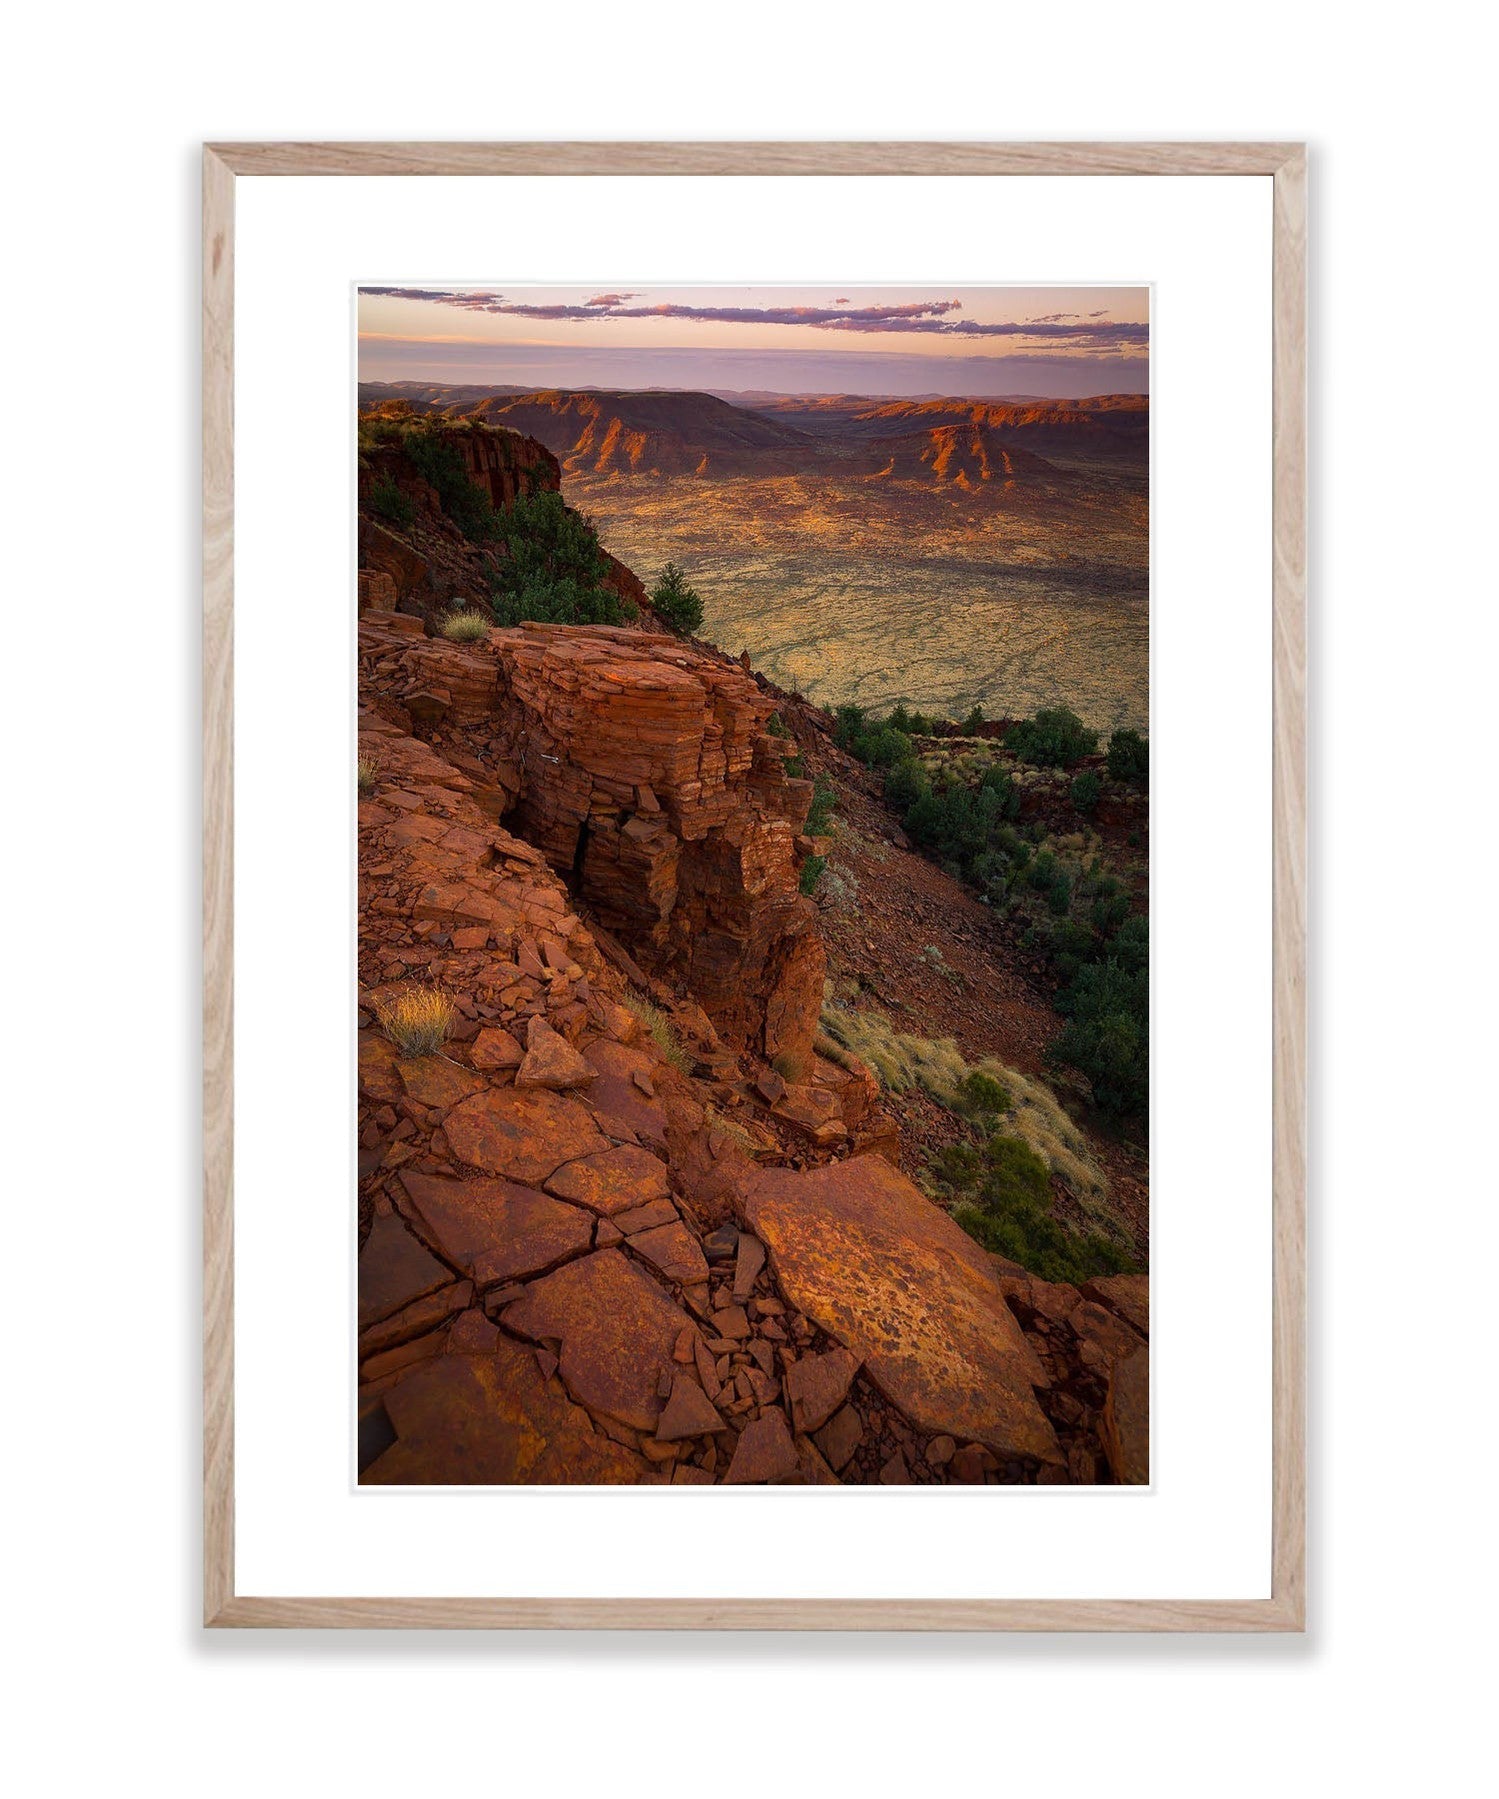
{"points": [[1086, 790], [1129, 757], [679, 606]]}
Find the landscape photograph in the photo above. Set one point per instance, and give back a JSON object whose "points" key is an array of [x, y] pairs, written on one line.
{"points": [[753, 839]]}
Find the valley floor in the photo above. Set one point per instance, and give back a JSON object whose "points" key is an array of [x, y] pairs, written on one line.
{"points": [[849, 592]]}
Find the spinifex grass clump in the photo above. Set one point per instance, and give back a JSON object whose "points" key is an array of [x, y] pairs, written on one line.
{"points": [[663, 1032], [466, 627], [366, 770], [418, 1020]]}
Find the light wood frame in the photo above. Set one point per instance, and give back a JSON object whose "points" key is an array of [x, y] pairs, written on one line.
{"points": [[1285, 1609]]}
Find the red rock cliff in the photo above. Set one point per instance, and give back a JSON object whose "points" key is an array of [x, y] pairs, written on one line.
{"points": [[641, 768]]}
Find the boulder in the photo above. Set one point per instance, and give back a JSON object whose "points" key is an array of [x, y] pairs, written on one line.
{"points": [[867, 1256], [551, 1061]]}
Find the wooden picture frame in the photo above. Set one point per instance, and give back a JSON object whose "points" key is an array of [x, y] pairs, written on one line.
{"points": [[1284, 1609]]}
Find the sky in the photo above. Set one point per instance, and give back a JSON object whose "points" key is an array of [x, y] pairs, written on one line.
{"points": [[981, 342]]}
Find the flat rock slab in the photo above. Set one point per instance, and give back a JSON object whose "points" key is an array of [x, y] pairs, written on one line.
{"points": [[647, 1217], [494, 1048], [764, 1451], [434, 1081], [419, 1318], [623, 1111], [840, 1437], [687, 1413], [377, 1068], [675, 1251], [527, 1136], [867, 1256], [816, 1385], [619, 1105], [494, 1230], [493, 1420], [748, 1262], [619, 1180], [617, 1329], [395, 1268], [1125, 1425]]}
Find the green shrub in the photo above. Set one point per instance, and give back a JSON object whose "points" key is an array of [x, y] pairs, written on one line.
{"points": [[971, 723], [982, 1096], [388, 502], [678, 606], [1131, 945], [555, 571], [885, 748], [848, 724], [775, 725], [914, 724], [1086, 790], [1055, 738], [1107, 1035], [1000, 781], [1129, 757], [824, 803], [905, 784], [1109, 913], [1043, 1244], [811, 873], [796, 767], [1004, 1202]]}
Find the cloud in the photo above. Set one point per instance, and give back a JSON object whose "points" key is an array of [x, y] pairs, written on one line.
{"points": [[927, 317]]}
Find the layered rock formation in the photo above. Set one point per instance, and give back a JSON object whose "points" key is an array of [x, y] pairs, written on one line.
{"points": [[647, 776], [641, 769]]}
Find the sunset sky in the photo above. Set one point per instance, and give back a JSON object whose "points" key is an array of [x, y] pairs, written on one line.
{"points": [[1064, 342]]}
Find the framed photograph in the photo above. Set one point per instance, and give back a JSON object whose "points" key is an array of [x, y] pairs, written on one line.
{"points": [[754, 886]]}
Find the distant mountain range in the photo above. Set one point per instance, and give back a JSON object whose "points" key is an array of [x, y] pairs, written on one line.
{"points": [[664, 432]]}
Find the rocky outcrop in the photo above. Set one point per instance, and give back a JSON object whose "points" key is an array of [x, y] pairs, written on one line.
{"points": [[640, 767], [406, 537], [648, 776]]}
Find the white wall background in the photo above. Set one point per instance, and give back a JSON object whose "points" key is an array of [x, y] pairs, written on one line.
{"points": [[114, 1682]]}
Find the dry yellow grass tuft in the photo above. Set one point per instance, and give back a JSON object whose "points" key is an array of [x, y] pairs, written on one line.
{"points": [[937, 1066], [662, 1032], [418, 1020], [366, 769], [466, 627]]}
